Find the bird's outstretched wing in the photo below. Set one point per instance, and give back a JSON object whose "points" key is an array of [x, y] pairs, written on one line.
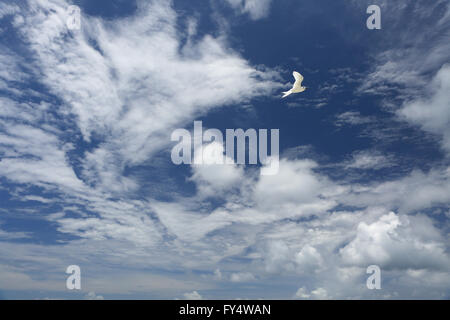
{"points": [[298, 77]]}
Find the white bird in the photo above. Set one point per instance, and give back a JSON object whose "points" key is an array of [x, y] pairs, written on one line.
{"points": [[297, 85]]}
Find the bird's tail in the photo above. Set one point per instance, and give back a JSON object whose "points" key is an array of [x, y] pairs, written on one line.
{"points": [[286, 93]]}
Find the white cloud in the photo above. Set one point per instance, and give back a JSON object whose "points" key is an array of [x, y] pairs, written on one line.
{"points": [[432, 114], [14, 278], [320, 294], [92, 296], [418, 47], [416, 191], [302, 293], [415, 68], [309, 259], [189, 223], [352, 118], [368, 160], [218, 274], [215, 175], [38, 158], [132, 101], [278, 257], [242, 277], [316, 294], [5, 235], [131, 89], [256, 9], [295, 183], [8, 9]]}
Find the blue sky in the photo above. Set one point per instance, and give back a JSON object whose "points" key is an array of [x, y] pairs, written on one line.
{"points": [[86, 176]]}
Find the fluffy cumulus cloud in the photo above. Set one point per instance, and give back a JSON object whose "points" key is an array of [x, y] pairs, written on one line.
{"points": [[417, 68], [8, 9], [105, 78], [213, 171], [256, 9], [416, 191]]}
